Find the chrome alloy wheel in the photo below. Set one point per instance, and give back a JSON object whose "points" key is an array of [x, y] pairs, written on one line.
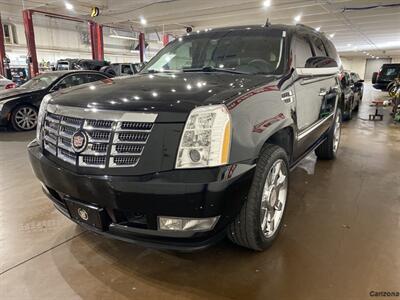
{"points": [[26, 118], [336, 133], [274, 198]]}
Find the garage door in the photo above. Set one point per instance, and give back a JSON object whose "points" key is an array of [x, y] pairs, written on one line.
{"points": [[373, 65]]}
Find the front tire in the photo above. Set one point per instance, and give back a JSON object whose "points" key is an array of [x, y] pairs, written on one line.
{"points": [[328, 149], [259, 220], [24, 118]]}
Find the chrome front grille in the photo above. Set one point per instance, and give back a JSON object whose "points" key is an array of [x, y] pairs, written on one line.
{"points": [[114, 139]]}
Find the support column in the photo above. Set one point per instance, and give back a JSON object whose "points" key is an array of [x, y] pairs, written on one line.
{"points": [[30, 43], [2, 51], [142, 46], [96, 40], [165, 39]]}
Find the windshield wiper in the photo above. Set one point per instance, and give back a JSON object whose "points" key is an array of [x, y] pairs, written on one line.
{"points": [[212, 69]]}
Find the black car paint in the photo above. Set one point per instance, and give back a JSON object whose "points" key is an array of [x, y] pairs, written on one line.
{"points": [[357, 87], [22, 96], [154, 187], [348, 102]]}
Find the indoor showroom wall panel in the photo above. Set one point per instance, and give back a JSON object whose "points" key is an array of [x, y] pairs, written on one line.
{"points": [[354, 64]]}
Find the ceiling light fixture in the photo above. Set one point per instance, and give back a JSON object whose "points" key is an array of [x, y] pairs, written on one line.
{"points": [[267, 3], [332, 35], [143, 21], [69, 6], [318, 28], [122, 37], [297, 18]]}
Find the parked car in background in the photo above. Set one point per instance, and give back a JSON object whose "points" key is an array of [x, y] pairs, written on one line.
{"points": [[199, 144], [347, 103], [84, 64], [125, 69], [6, 84], [19, 107], [386, 74], [358, 89]]}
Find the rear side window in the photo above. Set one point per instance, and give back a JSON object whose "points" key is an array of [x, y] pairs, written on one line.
{"points": [[302, 51], [94, 77], [332, 53], [319, 47]]}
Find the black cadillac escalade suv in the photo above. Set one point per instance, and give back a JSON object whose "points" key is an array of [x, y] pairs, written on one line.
{"points": [[199, 144]]}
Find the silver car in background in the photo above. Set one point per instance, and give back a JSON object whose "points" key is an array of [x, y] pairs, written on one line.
{"points": [[6, 83]]}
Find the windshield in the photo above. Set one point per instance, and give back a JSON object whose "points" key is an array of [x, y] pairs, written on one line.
{"points": [[40, 82], [61, 66], [244, 51]]}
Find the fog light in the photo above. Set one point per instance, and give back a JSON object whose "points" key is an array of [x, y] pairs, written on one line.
{"points": [[187, 224]]}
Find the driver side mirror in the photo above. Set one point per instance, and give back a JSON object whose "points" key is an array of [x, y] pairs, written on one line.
{"points": [[317, 66]]}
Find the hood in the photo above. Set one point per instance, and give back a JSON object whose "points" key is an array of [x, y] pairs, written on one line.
{"points": [[17, 92], [171, 95]]}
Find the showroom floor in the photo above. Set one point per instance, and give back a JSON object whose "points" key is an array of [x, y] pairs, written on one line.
{"points": [[341, 237]]}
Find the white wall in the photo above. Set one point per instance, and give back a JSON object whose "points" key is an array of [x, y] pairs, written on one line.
{"points": [[396, 60], [57, 39], [354, 64]]}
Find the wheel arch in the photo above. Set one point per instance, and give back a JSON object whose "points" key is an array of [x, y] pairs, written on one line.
{"points": [[284, 138]]}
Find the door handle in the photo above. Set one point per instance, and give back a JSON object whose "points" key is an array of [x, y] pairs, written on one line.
{"points": [[323, 92]]}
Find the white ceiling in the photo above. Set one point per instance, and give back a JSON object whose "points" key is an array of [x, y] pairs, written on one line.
{"points": [[373, 31]]}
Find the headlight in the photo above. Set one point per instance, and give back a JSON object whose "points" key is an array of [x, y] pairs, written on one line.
{"points": [[41, 114], [206, 139]]}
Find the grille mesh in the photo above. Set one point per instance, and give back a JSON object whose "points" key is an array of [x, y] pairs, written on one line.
{"points": [[136, 125], [112, 144]]}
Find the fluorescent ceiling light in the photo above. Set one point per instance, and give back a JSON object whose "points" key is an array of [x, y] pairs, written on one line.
{"points": [[69, 6], [143, 21], [122, 37], [267, 3], [297, 18]]}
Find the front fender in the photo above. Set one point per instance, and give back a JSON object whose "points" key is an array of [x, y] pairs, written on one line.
{"points": [[255, 120]]}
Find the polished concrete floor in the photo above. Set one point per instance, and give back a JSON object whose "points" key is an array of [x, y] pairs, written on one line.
{"points": [[341, 236]]}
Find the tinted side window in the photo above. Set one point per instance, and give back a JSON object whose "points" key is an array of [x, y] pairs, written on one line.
{"points": [[94, 77], [319, 47], [73, 80], [332, 53], [302, 51]]}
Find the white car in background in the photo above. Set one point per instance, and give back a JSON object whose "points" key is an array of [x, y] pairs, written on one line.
{"points": [[6, 83]]}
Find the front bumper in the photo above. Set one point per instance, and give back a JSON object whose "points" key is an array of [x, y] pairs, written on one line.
{"points": [[199, 193]]}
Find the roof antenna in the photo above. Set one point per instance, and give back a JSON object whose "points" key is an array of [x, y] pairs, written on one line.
{"points": [[268, 23]]}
